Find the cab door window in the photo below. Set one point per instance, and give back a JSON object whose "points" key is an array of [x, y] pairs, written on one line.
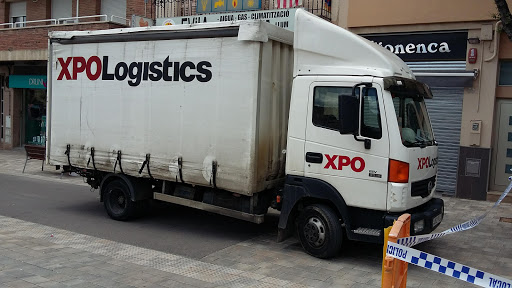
{"points": [[370, 118], [326, 115], [325, 106]]}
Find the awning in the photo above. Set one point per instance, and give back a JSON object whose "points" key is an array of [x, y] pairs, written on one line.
{"points": [[443, 73]]}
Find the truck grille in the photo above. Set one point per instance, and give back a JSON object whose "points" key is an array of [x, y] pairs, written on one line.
{"points": [[421, 188]]}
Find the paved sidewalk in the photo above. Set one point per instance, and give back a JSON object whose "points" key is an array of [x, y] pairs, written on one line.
{"points": [[12, 162], [34, 255]]}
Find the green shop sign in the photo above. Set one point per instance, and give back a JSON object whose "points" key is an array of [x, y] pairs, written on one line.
{"points": [[27, 81]]}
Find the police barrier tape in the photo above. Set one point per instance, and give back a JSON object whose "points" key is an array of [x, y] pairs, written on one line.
{"points": [[413, 240], [446, 267]]}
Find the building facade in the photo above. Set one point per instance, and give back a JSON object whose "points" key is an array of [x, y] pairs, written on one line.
{"points": [[23, 56], [457, 47]]}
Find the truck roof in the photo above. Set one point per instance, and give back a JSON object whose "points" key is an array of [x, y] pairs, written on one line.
{"points": [[320, 47], [249, 30]]}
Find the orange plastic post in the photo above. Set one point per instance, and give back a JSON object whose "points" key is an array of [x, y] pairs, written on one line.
{"points": [[394, 271]]}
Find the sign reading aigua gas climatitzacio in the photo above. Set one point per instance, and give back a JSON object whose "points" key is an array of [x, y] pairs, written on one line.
{"points": [[281, 17]]}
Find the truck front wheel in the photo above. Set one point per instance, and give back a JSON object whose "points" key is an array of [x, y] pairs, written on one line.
{"points": [[319, 231], [118, 202]]}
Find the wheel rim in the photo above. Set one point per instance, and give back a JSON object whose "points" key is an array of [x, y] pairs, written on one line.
{"points": [[117, 201], [314, 232]]}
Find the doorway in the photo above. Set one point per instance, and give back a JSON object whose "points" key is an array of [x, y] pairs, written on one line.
{"points": [[503, 146]]}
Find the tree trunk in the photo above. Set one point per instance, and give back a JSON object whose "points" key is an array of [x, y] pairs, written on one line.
{"points": [[505, 16]]}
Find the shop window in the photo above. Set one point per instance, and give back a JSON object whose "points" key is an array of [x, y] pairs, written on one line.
{"points": [[505, 73], [35, 116]]}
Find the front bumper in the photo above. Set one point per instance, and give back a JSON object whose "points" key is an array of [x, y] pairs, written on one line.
{"points": [[426, 212]]}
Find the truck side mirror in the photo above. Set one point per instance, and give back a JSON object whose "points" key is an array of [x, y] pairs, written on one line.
{"points": [[348, 109]]}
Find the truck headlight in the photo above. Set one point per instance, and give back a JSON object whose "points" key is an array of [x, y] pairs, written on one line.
{"points": [[418, 226]]}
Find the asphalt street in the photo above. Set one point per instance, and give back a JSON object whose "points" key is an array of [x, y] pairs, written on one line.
{"points": [[191, 248], [166, 227]]}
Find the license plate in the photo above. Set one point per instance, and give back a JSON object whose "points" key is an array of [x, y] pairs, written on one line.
{"points": [[437, 220]]}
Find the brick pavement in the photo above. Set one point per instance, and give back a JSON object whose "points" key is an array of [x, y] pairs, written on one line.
{"points": [[31, 257]]}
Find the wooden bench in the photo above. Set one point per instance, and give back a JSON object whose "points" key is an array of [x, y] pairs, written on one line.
{"points": [[35, 152]]}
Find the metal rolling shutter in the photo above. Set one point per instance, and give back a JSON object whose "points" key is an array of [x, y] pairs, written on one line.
{"points": [[445, 111], [18, 9], [116, 8], [447, 80], [62, 9]]}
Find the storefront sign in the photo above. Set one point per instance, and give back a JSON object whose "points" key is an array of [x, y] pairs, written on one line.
{"points": [[27, 81], [209, 6], [432, 46], [284, 18]]}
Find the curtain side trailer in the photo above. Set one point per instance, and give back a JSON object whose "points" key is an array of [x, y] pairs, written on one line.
{"points": [[235, 118]]}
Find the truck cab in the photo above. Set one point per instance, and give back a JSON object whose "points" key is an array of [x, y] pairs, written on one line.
{"points": [[360, 145]]}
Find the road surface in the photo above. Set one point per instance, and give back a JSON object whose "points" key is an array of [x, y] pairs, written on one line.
{"points": [[168, 228]]}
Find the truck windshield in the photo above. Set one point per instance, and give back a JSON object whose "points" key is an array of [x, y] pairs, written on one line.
{"points": [[413, 121], [411, 112]]}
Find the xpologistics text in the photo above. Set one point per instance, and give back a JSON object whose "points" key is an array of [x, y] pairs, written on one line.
{"points": [[94, 67]]}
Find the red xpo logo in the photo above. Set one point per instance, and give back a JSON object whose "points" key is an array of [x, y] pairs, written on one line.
{"points": [[426, 162], [80, 65], [356, 164], [94, 68]]}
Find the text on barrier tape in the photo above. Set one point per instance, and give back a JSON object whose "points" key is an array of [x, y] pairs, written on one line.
{"points": [[413, 240], [446, 267]]}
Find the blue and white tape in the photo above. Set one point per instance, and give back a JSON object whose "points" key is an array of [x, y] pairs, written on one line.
{"points": [[446, 267], [414, 240]]}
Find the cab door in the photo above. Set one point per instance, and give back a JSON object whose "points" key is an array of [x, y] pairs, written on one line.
{"points": [[359, 174]]}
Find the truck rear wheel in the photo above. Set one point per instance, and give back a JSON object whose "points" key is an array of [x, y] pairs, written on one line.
{"points": [[319, 231], [118, 202]]}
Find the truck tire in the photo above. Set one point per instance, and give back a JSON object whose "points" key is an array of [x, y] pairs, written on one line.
{"points": [[320, 232], [118, 202]]}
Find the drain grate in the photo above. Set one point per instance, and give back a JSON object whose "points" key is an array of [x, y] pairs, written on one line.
{"points": [[506, 219]]}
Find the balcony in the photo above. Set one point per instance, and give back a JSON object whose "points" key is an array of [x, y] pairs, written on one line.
{"points": [[28, 40], [176, 8]]}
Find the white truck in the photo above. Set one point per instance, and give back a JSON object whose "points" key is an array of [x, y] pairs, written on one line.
{"points": [[233, 118]]}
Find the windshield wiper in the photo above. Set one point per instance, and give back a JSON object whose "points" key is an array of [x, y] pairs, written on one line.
{"points": [[420, 144], [432, 142]]}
